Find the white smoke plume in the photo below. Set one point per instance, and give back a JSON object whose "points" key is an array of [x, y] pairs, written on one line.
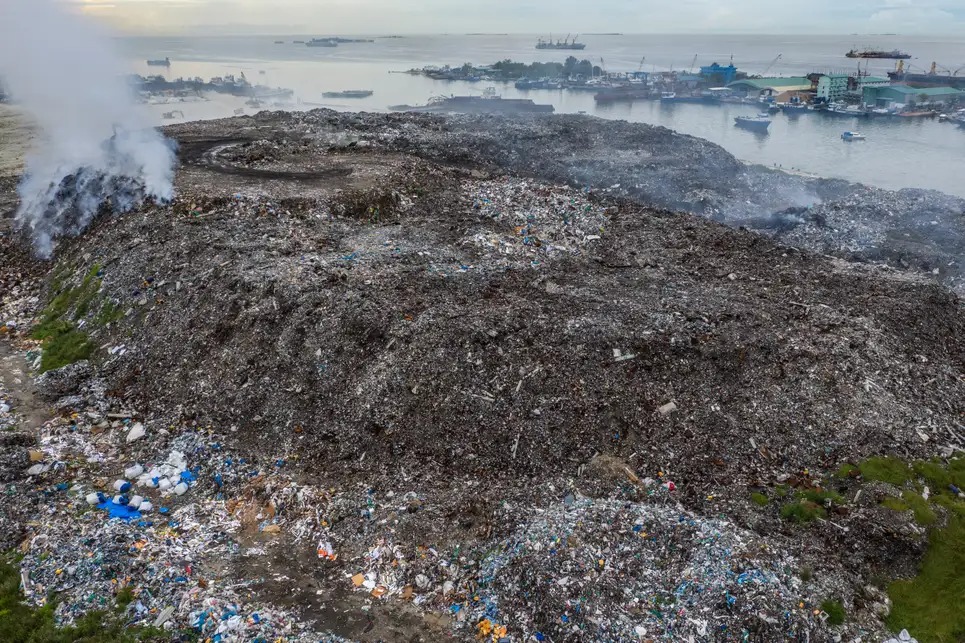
{"points": [[95, 147]]}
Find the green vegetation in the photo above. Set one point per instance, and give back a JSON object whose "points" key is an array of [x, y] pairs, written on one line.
{"points": [[821, 496], [759, 498], [806, 573], [124, 597], [572, 67], [811, 504], [834, 610], [63, 342], [109, 313], [22, 623], [924, 514], [933, 473], [66, 347], [847, 470], [802, 511], [930, 605], [886, 469]]}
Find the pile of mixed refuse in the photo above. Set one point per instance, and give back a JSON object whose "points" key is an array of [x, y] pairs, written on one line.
{"points": [[362, 380]]}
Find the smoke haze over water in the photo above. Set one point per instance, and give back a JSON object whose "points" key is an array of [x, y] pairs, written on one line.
{"points": [[94, 146]]}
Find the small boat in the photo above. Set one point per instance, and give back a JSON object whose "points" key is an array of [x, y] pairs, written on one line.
{"points": [[321, 42], [159, 63], [349, 93], [758, 123], [279, 42], [668, 96], [853, 136]]}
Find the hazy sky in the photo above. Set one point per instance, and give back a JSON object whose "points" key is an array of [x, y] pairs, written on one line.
{"points": [[534, 16]]}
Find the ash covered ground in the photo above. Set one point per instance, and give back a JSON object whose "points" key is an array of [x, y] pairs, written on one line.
{"points": [[445, 378]]}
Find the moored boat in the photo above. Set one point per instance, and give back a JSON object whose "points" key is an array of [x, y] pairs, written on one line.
{"points": [[758, 123]]}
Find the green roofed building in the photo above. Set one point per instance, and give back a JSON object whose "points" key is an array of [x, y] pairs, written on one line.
{"points": [[906, 95], [770, 86]]}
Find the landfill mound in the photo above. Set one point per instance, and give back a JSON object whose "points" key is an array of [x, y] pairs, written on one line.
{"points": [[383, 390], [923, 230]]}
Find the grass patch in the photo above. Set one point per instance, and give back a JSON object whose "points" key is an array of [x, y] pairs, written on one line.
{"points": [[954, 505], [124, 597], [759, 499], [22, 623], [847, 470], [886, 469], [930, 605], [65, 348], [109, 313], [64, 343], [933, 473], [802, 511], [806, 573], [822, 496], [924, 514], [834, 610]]}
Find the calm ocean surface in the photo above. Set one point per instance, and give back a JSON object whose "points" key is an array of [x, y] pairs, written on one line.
{"points": [[898, 153]]}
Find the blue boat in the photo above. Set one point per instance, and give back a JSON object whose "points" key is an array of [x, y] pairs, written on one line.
{"points": [[853, 136], [758, 123]]}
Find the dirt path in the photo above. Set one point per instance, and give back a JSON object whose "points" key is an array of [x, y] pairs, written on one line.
{"points": [[19, 390]]}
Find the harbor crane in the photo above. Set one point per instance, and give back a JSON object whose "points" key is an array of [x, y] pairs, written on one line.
{"points": [[773, 62], [693, 63]]}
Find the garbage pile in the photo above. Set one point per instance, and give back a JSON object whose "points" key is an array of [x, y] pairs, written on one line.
{"points": [[411, 399], [910, 229]]}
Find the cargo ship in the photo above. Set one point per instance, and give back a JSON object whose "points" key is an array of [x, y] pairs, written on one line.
{"points": [[564, 44], [894, 54], [166, 62]]}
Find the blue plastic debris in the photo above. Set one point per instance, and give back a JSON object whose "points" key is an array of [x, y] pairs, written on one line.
{"points": [[122, 512], [188, 476]]}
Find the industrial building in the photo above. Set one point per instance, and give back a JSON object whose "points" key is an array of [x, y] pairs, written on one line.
{"points": [[887, 96], [770, 86]]}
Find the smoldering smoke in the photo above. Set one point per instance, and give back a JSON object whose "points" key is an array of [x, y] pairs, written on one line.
{"points": [[95, 152]]}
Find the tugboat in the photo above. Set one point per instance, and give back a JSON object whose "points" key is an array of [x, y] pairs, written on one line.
{"points": [[565, 44], [349, 93], [894, 54], [758, 123]]}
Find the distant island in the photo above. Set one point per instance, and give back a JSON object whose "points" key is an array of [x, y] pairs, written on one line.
{"points": [[609, 33]]}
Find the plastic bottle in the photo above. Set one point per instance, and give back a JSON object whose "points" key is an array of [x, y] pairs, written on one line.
{"points": [[181, 489], [122, 485], [134, 471]]}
